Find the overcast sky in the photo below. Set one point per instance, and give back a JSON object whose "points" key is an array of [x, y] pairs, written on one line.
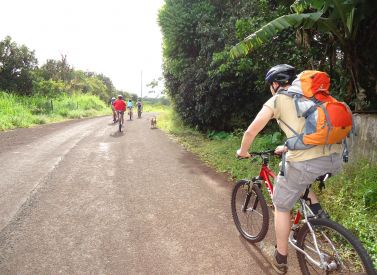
{"points": [[119, 38]]}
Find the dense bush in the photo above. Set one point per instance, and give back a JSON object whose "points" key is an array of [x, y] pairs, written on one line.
{"points": [[209, 90]]}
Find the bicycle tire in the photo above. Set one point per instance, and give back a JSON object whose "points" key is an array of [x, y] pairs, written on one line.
{"points": [[120, 126], [349, 256], [255, 205]]}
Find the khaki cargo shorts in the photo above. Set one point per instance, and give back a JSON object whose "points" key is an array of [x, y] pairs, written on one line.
{"points": [[300, 174]]}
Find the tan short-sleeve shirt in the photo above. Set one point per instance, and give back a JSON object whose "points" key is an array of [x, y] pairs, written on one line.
{"points": [[285, 110]]}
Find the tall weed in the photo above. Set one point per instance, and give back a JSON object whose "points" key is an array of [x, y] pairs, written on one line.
{"points": [[22, 111]]}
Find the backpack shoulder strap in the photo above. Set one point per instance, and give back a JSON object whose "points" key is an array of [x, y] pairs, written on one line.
{"points": [[285, 92], [289, 127]]}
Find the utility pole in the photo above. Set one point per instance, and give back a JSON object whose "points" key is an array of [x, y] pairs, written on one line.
{"points": [[141, 85]]}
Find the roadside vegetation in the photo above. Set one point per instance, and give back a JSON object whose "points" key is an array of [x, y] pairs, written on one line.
{"points": [[17, 111], [216, 53], [36, 94], [350, 197]]}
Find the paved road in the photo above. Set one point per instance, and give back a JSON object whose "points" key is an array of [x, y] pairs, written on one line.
{"points": [[80, 198]]}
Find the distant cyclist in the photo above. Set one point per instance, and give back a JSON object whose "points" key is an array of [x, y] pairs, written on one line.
{"points": [[130, 107], [111, 102], [120, 107], [139, 108]]}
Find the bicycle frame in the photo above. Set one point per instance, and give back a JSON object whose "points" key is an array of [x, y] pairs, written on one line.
{"points": [[130, 112], [120, 114], [304, 207], [266, 174]]}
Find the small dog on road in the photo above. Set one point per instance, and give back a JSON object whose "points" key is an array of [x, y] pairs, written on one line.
{"points": [[153, 123]]}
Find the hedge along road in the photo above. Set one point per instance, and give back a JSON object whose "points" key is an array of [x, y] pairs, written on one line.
{"points": [[80, 198]]}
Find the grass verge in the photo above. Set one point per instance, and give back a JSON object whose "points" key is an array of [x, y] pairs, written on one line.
{"points": [[21, 111]]}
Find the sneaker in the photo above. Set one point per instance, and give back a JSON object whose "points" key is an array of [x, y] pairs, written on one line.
{"points": [[279, 268], [322, 214]]}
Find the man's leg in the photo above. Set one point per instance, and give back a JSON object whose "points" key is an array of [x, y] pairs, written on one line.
{"points": [[282, 230], [287, 190], [312, 197], [283, 225]]}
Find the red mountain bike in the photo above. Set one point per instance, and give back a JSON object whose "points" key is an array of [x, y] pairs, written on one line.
{"points": [[322, 245], [120, 115]]}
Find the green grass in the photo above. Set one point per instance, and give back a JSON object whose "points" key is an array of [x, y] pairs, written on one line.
{"points": [[22, 111], [350, 197]]}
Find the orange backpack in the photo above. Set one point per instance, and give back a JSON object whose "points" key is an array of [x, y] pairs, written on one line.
{"points": [[327, 121]]}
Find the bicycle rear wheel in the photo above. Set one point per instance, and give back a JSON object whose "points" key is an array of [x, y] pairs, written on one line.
{"points": [[342, 252], [250, 211]]}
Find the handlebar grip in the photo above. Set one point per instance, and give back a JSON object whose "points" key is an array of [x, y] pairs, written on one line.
{"points": [[267, 152], [239, 157]]}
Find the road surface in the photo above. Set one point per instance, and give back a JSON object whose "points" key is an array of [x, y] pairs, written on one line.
{"points": [[80, 198]]}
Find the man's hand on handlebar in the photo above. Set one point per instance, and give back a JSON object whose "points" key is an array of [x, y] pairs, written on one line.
{"points": [[242, 155], [281, 149]]}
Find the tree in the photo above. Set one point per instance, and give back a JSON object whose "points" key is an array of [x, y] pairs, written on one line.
{"points": [[108, 83], [342, 22], [16, 63], [57, 70], [153, 84], [210, 90]]}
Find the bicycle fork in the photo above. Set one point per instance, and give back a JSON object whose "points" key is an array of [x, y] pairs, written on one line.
{"points": [[247, 199]]}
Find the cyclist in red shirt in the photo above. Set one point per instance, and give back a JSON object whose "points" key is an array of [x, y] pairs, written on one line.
{"points": [[120, 107]]}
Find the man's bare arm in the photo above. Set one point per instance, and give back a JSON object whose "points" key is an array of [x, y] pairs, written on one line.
{"points": [[260, 121]]}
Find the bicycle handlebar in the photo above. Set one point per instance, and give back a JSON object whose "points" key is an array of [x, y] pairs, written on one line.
{"points": [[261, 153]]}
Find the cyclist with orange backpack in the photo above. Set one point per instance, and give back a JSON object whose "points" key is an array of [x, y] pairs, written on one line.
{"points": [[301, 164]]}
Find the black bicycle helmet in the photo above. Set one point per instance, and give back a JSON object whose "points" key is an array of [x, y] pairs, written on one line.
{"points": [[282, 74]]}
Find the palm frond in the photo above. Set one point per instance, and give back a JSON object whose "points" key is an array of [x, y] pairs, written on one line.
{"points": [[306, 20]]}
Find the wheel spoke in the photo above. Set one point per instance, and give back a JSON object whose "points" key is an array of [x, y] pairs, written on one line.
{"points": [[253, 211], [340, 251], [250, 212]]}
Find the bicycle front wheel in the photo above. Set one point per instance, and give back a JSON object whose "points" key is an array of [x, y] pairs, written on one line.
{"points": [[250, 211], [341, 251]]}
